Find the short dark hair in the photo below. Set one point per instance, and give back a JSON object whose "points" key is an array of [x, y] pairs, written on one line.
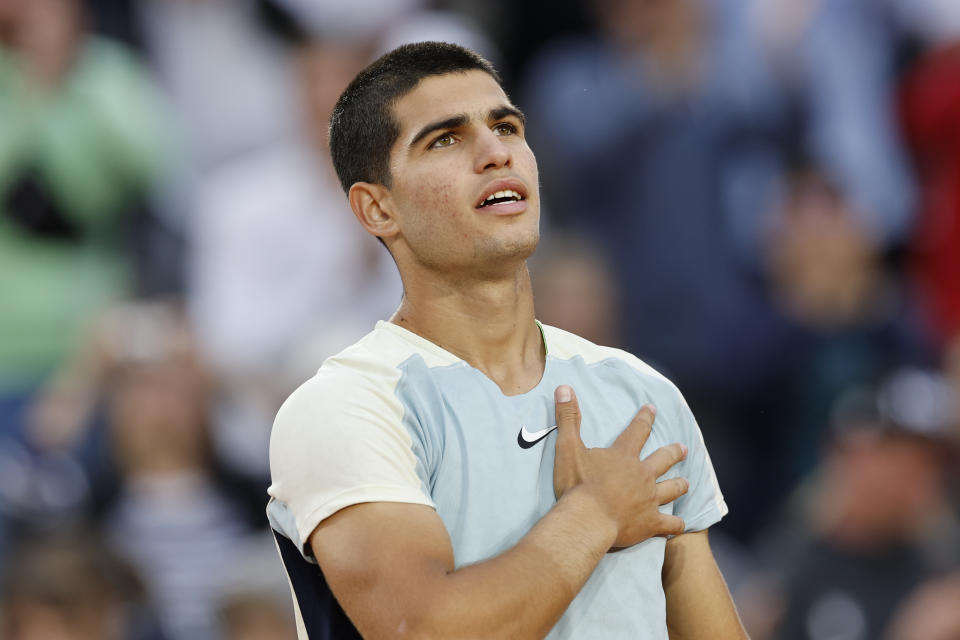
{"points": [[362, 127]]}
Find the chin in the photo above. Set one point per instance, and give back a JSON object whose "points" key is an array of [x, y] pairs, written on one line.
{"points": [[519, 246]]}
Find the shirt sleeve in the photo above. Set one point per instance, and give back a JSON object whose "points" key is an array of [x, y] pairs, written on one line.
{"points": [[339, 440], [703, 504]]}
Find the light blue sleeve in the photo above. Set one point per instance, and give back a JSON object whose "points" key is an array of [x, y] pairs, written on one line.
{"points": [[703, 504]]}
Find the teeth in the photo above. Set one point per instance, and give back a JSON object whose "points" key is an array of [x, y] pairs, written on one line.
{"points": [[509, 193]]}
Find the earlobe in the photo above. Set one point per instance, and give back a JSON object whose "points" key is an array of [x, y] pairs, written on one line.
{"points": [[372, 205]]}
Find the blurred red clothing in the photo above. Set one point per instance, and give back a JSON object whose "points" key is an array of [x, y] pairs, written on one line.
{"points": [[930, 112]]}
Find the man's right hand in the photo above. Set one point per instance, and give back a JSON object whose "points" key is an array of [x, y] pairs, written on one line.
{"points": [[624, 487]]}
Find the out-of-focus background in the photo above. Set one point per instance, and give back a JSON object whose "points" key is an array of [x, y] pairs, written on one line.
{"points": [[761, 198]]}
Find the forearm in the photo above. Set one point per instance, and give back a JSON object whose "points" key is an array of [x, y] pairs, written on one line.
{"points": [[524, 591], [520, 593], [699, 606]]}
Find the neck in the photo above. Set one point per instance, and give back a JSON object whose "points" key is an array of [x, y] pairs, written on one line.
{"points": [[488, 323]]}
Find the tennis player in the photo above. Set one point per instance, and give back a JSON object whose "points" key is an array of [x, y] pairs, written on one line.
{"points": [[465, 471]]}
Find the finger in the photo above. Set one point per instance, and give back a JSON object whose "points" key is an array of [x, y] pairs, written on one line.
{"points": [[671, 525], [568, 417], [670, 490], [665, 457], [635, 435]]}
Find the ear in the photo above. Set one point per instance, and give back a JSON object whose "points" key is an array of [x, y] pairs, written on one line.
{"points": [[373, 206]]}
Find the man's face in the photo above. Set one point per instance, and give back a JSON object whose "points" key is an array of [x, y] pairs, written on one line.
{"points": [[461, 142]]}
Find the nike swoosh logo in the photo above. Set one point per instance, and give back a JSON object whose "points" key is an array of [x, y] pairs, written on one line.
{"points": [[527, 439]]}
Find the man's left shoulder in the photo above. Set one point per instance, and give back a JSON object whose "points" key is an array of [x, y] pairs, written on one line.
{"points": [[565, 345]]}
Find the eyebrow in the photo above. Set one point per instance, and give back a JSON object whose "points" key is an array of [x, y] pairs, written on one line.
{"points": [[461, 119], [502, 112], [447, 123]]}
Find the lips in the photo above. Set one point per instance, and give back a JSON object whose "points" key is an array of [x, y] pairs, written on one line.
{"points": [[503, 197]]}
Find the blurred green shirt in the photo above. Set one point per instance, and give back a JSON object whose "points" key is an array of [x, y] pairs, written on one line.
{"points": [[93, 143]]}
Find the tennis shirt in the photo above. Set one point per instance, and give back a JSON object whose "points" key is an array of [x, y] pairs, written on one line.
{"points": [[396, 418]]}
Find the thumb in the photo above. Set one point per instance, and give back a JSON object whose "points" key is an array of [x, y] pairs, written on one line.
{"points": [[568, 416]]}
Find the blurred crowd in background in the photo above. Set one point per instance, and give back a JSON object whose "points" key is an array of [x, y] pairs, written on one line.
{"points": [[761, 198]]}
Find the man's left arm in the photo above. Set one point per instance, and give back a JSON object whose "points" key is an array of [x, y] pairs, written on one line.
{"points": [[699, 605]]}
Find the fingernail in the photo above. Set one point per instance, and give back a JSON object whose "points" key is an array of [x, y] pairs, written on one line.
{"points": [[683, 448], [653, 410], [564, 393]]}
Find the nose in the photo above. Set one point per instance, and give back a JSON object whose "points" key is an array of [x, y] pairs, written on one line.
{"points": [[492, 152]]}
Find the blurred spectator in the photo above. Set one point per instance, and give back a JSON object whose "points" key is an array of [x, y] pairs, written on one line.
{"points": [[226, 77], [69, 587], [825, 265], [132, 410], [575, 289], [269, 231], [172, 518], [879, 519], [227, 84], [256, 602], [850, 317], [835, 62], [636, 130], [80, 137]]}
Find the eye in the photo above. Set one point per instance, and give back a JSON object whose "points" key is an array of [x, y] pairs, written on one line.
{"points": [[445, 140], [505, 129]]}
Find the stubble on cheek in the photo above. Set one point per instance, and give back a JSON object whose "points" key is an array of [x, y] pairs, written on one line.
{"points": [[433, 232], [435, 199]]}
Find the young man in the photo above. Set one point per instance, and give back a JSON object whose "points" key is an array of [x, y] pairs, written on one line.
{"points": [[438, 471]]}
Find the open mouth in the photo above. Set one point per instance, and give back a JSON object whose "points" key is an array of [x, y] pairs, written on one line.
{"points": [[500, 197]]}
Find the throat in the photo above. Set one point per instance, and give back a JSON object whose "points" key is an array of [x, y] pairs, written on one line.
{"points": [[513, 357], [520, 372], [489, 324]]}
